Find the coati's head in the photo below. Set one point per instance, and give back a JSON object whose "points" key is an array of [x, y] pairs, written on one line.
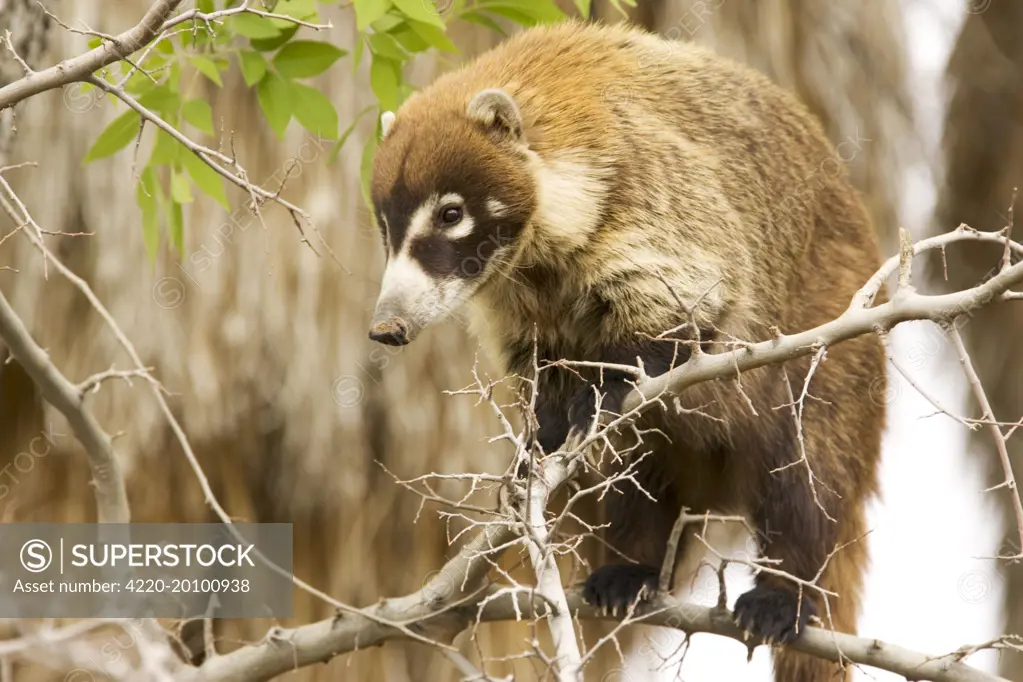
{"points": [[452, 195]]}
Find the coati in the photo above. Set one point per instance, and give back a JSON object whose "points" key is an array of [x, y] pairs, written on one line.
{"points": [[598, 186]]}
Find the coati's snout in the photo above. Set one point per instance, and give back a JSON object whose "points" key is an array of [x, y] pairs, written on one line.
{"points": [[392, 331]]}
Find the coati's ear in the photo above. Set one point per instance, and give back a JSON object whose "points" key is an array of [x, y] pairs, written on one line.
{"points": [[496, 111], [386, 121]]}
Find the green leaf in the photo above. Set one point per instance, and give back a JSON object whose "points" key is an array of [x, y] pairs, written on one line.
{"points": [[386, 46], [181, 188], [205, 178], [274, 99], [368, 11], [384, 77], [346, 134], [299, 9], [194, 40], [253, 66], [165, 46], [139, 84], [409, 39], [534, 11], [433, 35], [269, 44], [205, 6], [176, 226], [114, 137], [161, 99], [313, 110], [93, 43], [206, 67], [253, 27], [198, 113], [584, 8], [306, 58], [483, 20], [165, 150], [387, 22], [145, 194], [420, 10], [175, 75]]}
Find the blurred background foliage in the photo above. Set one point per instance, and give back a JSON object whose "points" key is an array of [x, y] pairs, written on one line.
{"points": [[262, 343]]}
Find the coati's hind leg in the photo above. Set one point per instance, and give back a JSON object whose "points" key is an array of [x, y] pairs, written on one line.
{"points": [[639, 528], [774, 609], [841, 440]]}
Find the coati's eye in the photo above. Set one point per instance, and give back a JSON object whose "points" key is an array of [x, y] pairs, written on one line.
{"points": [[450, 214]]}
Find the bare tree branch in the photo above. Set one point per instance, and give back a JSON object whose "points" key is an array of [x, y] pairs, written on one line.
{"points": [[108, 479], [996, 431], [78, 68], [285, 649], [856, 321]]}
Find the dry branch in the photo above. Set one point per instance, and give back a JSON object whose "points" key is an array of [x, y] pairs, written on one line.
{"points": [[285, 649], [857, 320], [80, 67], [111, 499]]}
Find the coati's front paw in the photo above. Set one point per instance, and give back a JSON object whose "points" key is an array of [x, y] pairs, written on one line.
{"points": [[582, 408], [615, 586], [774, 614]]}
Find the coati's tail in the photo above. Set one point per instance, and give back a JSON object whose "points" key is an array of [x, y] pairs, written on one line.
{"points": [[843, 575]]}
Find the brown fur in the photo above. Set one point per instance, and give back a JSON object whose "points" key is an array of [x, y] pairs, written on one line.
{"points": [[703, 181]]}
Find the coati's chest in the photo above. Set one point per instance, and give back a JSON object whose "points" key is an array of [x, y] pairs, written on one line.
{"points": [[566, 318]]}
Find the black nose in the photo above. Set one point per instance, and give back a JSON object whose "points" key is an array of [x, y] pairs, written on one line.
{"points": [[392, 332]]}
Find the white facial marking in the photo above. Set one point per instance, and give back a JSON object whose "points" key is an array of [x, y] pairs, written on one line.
{"points": [[410, 293], [462, 229], [571, 195], [496, 208], [421, 221], [451, 198], [404, 278]]}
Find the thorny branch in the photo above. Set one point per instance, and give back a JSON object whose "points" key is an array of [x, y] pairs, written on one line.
{"points": [[310, 644]]}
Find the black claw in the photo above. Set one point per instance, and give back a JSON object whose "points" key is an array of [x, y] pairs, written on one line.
{"points": [[774, 614], [619, 586]]}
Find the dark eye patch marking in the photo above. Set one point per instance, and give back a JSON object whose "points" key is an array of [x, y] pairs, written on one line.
{"points": [[466, 257], [397, 208]]}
